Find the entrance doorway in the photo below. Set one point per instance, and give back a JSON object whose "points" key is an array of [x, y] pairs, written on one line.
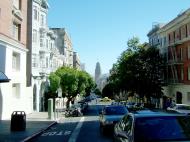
{"points": [[179, 98]]}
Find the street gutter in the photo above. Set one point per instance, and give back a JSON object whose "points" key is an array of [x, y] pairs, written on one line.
{"points": [[39, 132]]}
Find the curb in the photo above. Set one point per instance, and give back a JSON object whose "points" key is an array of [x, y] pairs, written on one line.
{"points": [[39, 132]]}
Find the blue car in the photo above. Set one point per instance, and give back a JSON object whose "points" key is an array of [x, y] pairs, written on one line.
{"points": [[153, 126], [110, 115]]}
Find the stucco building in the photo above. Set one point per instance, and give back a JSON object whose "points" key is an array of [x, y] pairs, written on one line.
{"points": [[14, 95]]}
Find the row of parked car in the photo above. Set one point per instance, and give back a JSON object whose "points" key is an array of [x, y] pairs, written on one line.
{"points": [[145, 125]]}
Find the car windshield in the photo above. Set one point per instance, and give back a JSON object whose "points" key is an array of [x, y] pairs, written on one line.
{"points": [[162, 128], [118, 110]]}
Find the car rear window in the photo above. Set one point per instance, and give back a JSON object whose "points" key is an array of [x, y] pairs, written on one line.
{"points": [[116, 110], [162, 128]]}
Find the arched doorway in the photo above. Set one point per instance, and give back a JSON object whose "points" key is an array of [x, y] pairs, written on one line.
{"points": [[41, 96], [179, 98], [34, 97]]}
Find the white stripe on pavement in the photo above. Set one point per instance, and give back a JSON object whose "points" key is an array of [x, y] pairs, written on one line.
{"points": [[75, 133]]}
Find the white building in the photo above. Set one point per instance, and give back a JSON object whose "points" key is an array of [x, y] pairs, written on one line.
{"points": [[15, 95], [44, 56]]}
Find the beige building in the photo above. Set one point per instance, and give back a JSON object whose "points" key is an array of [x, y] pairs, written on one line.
{"points": [[64, 44], [14, 95]]}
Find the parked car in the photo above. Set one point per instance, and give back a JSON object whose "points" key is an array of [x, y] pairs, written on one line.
{"points": [[150, 126], [180, 108], [110, 115]]}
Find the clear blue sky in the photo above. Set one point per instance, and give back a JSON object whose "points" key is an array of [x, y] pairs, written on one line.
{"points": [[100, 29]]}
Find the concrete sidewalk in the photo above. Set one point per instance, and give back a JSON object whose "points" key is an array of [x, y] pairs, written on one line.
{"points": [[36, 123]]}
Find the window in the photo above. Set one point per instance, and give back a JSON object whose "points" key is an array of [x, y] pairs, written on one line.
{"points": [[181, 53], [34, 36], [47, 43], [16, 31], [164, 41], [182, 73], [188, 73], [41, 42], [188, 96], [16, 61], [47, 62], [183, 31], [35, 13], [169, 38], [16, 90], [34, 62], [17, 4], [188, 52], [42, 20]]}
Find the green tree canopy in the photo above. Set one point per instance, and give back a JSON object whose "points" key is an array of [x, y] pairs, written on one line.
{"points": [[138, 70], [72, 82]]}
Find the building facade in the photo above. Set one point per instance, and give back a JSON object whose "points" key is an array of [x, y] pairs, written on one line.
{"points": [[44, 57], [174, 44], [64, 44], [76, 61], [14, 95]]}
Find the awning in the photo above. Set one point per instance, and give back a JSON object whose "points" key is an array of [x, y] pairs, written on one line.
{"points": [[3, 78]]}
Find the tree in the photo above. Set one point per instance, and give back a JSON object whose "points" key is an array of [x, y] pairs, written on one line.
{"points": [[138, 70], [54, 81], [72, 82]]}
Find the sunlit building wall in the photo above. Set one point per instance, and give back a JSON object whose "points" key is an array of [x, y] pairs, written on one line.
{"points": [[64, 44], [14, 95], [44, 55]]}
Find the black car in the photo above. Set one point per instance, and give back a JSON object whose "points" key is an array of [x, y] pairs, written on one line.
{"points": [[110, 115], [153, 126]]}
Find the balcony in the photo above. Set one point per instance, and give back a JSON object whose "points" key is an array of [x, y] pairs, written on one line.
{"points": [[175, 62], [173, 81]]}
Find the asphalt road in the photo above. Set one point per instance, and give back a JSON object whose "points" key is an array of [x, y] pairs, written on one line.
{"points": [[76, 129]]}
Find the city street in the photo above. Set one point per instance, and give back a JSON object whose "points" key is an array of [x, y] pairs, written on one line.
{"points": [[79, 129]]}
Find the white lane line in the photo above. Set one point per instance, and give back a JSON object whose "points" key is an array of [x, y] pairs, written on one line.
{"points": [[75, 133]]}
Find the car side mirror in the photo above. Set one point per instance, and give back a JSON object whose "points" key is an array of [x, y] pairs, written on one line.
{"points": [[122, 135]]}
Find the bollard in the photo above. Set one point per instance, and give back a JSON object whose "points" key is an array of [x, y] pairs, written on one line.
{"points": [[50, 108], [18, 121]]}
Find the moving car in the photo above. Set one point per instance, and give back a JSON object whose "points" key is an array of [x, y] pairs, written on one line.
{"points": [[180, 108], [110, 115], [105, 99], [150, 126]]}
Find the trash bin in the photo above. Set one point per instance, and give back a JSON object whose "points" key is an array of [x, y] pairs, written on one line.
{"points": [[18, 121]]}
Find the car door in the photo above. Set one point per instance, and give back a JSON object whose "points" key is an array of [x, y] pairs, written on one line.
{"points": [[125, 129]]}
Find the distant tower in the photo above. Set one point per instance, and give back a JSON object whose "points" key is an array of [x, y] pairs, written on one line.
{"points": [[97, 72]]}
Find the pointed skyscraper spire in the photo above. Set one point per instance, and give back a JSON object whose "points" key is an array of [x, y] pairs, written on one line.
{"points": [[97, 71]]}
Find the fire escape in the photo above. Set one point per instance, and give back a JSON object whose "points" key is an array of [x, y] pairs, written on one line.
{"points": [[174, 62]]}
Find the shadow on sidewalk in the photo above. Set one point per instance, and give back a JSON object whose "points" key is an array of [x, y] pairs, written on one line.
{"points": [[32, 127]]}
